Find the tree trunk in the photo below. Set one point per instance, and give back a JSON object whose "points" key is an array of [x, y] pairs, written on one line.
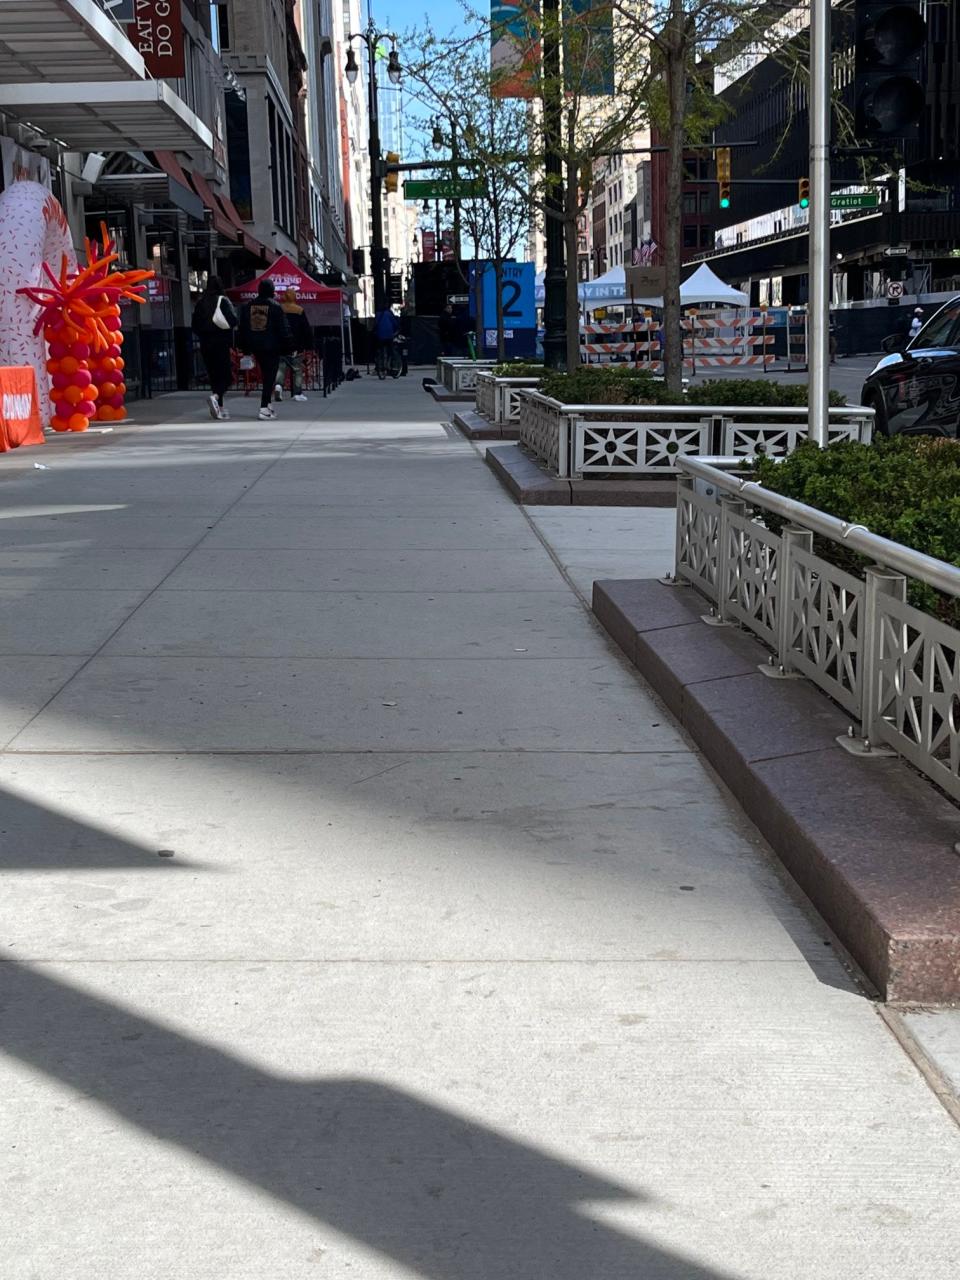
{"points": [[570, 212], [498, 278], [676, 82]]}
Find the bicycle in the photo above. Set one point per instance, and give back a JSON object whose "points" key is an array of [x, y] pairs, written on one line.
{"points": [[389, 360]]}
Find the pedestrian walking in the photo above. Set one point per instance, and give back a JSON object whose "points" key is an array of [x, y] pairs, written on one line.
{"points": [[214, 322], [449, 332], [916, 324], [301, 340], [264, 333], [385, 328]]}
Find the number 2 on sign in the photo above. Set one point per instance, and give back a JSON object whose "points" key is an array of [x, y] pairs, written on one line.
{"points": [[510, 295]]}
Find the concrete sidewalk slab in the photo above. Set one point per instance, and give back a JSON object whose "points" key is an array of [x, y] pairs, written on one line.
{"points": [[423, 966]]}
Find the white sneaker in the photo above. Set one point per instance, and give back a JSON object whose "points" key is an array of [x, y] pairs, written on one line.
{"points": [[267, 414], [301, 397], [214, 404], [224, 416], [278, 392]]}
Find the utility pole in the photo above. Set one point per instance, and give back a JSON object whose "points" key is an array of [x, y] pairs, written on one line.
{"points": [[554, 279], [818, 310], [376, 207]]}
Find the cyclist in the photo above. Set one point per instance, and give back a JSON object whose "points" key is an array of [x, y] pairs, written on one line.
{"points": [[385, 329]]}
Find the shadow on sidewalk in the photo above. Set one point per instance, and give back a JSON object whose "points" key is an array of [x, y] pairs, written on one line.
{"points": [[442, 1195]]}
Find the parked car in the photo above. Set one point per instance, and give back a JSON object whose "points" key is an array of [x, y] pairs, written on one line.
{"points": [[915, 389]]}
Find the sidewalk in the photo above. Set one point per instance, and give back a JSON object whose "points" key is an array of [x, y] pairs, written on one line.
{"points": [[365, 918]]}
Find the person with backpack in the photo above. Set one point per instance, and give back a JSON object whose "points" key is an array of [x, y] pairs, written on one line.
{"points": [[301, 339], [214, 321], [265, 333]]}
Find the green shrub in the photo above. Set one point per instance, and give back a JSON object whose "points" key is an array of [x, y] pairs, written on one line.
{"points": [[906, 489], [609, 384], [761, 392], [517, 369]]}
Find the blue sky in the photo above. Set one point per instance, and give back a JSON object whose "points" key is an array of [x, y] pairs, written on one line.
{"points": [[400, 14]]}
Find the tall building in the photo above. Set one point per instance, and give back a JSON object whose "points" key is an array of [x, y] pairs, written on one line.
{"points": [[353, 149]]}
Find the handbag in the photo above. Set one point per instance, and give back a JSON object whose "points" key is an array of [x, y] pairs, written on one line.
{"points": [[247, 363], [219, 319]]}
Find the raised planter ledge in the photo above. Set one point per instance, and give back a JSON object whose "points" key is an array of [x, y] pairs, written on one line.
{"points": [[870, 843], [530, 482]]}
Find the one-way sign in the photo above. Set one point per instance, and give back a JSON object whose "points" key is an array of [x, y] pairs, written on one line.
{"points": [[896, 251]]}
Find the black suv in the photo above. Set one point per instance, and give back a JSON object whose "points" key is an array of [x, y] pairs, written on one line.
{"points": [[915, 389]]}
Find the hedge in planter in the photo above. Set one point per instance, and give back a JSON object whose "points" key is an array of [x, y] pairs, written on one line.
{"points": [[748, 392], [518, 369], [611, 384], [906, 489]]}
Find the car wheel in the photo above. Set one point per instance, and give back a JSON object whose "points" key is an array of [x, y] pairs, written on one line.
{"points": [[881, 421]]}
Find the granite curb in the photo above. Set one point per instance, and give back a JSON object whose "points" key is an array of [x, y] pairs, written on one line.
{"points": [[531, 483], [476, 427], [870, 842]]}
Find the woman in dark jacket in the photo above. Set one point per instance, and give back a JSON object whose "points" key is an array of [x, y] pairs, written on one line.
{"points": [[215, 342]]}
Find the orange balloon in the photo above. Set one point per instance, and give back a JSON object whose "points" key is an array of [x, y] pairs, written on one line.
{"points": [[92, 391], [118, 337], [73, 394], [69, 364], [119, 415], [108, 390], [56, 393], [108, 363], [60, 424], [53, 366], [120, 362], [78, 422], [104, 413], [121, 388]]}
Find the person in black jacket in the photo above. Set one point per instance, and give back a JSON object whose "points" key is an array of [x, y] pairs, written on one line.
{"points": [[216, 341], [301, 340], [264, 333]]}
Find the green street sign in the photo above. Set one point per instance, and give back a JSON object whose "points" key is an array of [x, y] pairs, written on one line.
{"points": [[443, 188], [860, 200]]}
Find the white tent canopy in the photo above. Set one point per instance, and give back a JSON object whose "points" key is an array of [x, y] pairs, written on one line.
{"points": [[705, 286], [610, 289]]}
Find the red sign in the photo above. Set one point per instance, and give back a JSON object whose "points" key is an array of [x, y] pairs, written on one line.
{"points": [[429, 246], [19, 408], [157, 34], [447, 249]]}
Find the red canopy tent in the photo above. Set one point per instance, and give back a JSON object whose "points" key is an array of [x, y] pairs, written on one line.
{"points": [[324, 306]]}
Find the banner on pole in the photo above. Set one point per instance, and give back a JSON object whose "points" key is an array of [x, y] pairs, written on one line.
{"points": [[514, 48], [588, 52]]}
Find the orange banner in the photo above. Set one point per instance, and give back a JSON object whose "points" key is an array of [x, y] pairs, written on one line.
{"points": [[19, 408]]}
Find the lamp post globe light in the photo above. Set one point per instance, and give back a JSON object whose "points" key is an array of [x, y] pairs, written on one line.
{"points": [[371, 37]]}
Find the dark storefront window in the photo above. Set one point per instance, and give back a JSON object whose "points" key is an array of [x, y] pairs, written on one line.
{"points": [[238, 152]]}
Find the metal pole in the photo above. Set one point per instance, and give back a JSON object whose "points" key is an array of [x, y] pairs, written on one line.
{"points": [[819, 265], [455, 174], [554, 279], [376, 209]]}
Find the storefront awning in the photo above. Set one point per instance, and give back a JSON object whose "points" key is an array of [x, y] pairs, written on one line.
{"points": [[63, 40], [249, 242], [221, 223], [112, 116]]}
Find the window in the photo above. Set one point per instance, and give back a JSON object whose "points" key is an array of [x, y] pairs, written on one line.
{"points": [[706, 237], [690, 237], [705, 202], [689, 202], [942, 331]]}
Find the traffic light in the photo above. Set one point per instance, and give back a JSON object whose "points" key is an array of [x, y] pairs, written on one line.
{"points": [[358, 263], [888, 69], [723, 176], [803, 193], [391, 179]]}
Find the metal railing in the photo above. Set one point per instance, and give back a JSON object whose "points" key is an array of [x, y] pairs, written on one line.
{"points": [[459, 374], [498, 398], [893, 667], [592, 439]]}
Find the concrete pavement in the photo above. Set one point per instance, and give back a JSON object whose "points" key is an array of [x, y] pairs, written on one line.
{"points": [[363, 916]]}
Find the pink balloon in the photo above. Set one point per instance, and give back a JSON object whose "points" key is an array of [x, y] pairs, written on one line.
{"points": [[81, 350], [61, 380], [58, 350], [87, 408], [117, 402], [82, 378], [112, 322], [114, 350]]}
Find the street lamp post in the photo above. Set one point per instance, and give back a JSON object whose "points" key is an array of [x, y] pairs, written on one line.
{"points": [[554, 279], [371, 38], [818, 312]]}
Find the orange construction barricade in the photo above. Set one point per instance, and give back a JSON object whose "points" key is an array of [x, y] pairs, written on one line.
{"points": [[19, 407]]}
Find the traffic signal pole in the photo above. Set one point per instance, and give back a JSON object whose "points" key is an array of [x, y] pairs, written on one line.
{"points": [[818, 312]]}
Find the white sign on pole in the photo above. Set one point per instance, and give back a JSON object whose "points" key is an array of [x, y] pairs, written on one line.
{"points": [[894, 288]]}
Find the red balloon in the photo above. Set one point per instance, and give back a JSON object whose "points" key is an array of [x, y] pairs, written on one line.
{"points": [[116, 402], [113, 322], [113, 350], [82, 378], [87, 408], [61, 380], [59, 349], [53, 366], [81, 350]]}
